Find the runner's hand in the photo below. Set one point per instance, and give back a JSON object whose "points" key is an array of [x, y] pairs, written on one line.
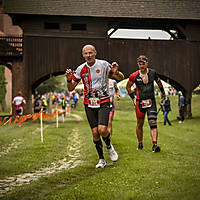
{"points": [[115, 67], [69, 74], [134, 101], [118, 97], [163, 96]]}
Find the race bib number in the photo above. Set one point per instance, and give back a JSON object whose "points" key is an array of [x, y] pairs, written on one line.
{"points": [[18, 107], [94, 103], [146, 103]]}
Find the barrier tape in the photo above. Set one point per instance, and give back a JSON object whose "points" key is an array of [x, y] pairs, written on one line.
{"points": [[23, 118]]}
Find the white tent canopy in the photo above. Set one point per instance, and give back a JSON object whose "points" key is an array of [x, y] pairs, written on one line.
{"points": [[80, 87], [122, 84]]}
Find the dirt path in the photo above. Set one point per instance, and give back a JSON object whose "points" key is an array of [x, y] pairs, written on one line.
{"points": [[72, 151]]}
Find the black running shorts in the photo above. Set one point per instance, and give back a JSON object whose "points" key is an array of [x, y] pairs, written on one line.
{"points": [[140, 112], [98, 116]]}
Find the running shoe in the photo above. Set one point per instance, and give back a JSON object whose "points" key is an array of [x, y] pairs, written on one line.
{"points": [[155, 148], [101, 163], [113, 154], [140, 146]]}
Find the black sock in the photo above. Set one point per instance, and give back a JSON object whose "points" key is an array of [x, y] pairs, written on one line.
{"points": [[107, 141], [99, 148]]}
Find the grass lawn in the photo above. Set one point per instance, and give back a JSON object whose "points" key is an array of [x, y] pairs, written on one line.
{"points": [[174, 173]]}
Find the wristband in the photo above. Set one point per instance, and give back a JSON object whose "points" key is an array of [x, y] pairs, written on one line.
{"points": [[69, 81], [132, 95]]}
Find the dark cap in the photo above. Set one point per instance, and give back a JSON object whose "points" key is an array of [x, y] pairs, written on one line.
{"points": [[142, 58]]}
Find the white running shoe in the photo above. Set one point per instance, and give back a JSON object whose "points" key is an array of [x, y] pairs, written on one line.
{"points": [[113, 154], [101, 164]]}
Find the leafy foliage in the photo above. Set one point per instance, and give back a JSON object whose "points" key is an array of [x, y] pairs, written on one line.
{"points": [[53, 84]]}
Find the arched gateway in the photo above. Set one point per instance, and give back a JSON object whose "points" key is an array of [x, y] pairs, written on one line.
{"points": [[55, 31]]}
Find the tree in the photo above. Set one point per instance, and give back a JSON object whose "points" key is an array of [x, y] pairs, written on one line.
{"points": [[53, 84]]}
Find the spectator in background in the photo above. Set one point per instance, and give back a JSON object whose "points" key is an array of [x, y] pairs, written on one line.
{"points": [[44, 103], [37, 104], [64, 104], [181, 106], [166, 107], [76, 98]]}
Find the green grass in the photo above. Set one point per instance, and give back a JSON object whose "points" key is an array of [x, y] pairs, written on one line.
{"points": [[174, 173]]}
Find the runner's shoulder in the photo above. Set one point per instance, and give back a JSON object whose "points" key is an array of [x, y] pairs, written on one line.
{"points": [[102, 62], [134, 74]]}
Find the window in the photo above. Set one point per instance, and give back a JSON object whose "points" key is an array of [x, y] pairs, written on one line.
{"points": [[140, 34], [79, 27], [51, 25]]}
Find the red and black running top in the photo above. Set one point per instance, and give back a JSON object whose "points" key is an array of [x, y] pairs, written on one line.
{"points": [[146, 91]]}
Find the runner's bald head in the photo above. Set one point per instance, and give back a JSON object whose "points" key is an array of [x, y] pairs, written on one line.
{"points": [[90, 47]]}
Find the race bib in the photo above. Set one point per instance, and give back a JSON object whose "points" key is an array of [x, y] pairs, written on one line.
{"points": [[94, 102], [18, 107], [146, 103]]}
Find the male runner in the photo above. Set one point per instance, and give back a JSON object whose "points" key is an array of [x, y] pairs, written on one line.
{"points": [[145, 99], [18, 101], [113, 91], [94, 74]]}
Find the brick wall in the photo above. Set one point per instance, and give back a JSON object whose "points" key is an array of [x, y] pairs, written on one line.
{"points": [[8, 76], [6, 25], [1, 19], [7, 28]]}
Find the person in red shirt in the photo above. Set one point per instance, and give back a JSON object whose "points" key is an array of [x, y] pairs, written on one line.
{"points": [[18, 101], [144, 100]]}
